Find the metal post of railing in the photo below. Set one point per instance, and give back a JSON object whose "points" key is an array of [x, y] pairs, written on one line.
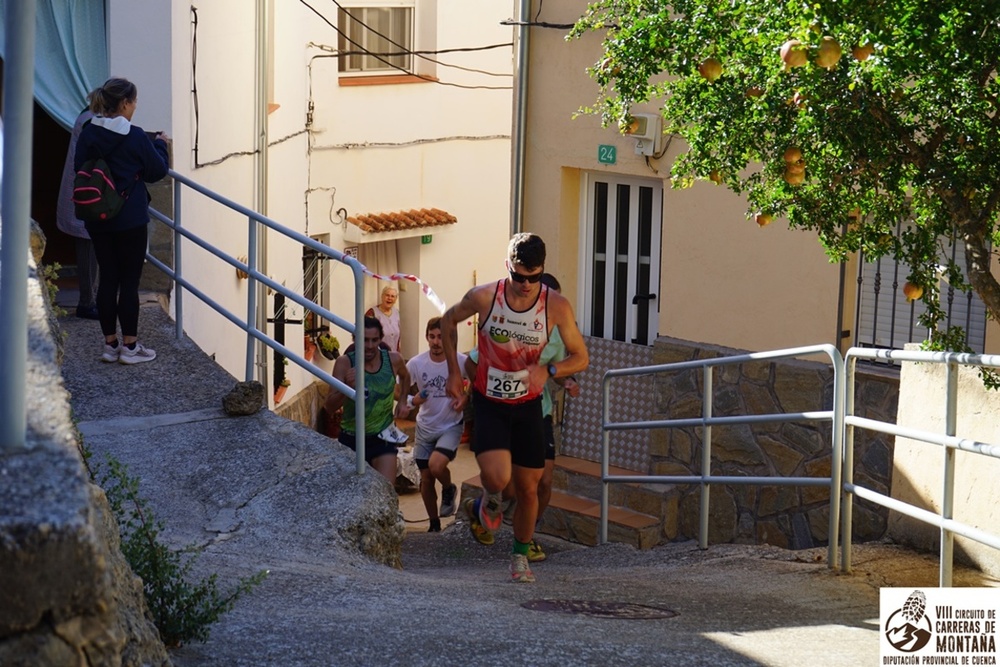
{"points": [[15, 201], [948, 490], [359, 363], [178, 288], [706, 457], [605, 457], [251, 299], [837, 458], [846, 497]]}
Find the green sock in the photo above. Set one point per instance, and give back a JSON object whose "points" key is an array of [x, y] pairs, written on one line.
{"points": [[521, 547]]}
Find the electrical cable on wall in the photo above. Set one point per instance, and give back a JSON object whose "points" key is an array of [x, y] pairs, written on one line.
{"points": [[390, 54], [414, 142], [540, 24], [663, 151], [405, 51], [196, 97], [362, 49], [459, 49]]}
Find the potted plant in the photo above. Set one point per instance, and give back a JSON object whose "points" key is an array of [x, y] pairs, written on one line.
{"points": [[279, 393], [328, 345], [309, 347]]}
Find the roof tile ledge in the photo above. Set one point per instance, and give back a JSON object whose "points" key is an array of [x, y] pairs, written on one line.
{"points": [[403, 224]]}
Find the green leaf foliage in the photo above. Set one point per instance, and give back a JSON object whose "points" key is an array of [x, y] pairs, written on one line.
{"points": [[900, 150], [182, 611]]}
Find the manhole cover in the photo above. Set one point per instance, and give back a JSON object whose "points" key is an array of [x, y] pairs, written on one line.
{"points": [[601, 609]]}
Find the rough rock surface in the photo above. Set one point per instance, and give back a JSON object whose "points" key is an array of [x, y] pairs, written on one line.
{"points": [[246, 398]]}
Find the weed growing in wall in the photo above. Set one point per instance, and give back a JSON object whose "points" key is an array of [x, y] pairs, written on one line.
{"points": [[182, 611]]}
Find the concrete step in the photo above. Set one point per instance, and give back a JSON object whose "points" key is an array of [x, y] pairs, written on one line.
{"points": [[577, 519], [580, 477]]}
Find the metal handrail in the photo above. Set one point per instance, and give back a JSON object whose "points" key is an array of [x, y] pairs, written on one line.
{"points": [[253, 334], [835, 416], [944, 520]]}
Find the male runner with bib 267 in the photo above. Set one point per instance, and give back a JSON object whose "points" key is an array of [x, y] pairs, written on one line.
{"points": [[516, 315]]}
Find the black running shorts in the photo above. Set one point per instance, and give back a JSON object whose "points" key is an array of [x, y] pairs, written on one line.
{"points": [[374, 445], [516, 427]]}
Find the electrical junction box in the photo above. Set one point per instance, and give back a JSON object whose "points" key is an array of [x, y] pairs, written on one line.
{"points": [[646, 130]]}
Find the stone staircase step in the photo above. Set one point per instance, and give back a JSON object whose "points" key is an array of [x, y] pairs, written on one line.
{"points": [[577, 519], [580, 477]]}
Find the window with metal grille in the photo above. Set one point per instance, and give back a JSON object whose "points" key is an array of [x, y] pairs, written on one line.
{"points": [[316, 286], [884, 319], [376, 39]]}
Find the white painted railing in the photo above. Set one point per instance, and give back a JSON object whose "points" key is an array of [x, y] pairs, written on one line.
{"points": [[843, 424]]}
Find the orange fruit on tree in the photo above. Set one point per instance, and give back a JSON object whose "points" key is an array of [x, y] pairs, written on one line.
{"points": [[912, 291], [710, 69], [793, 54]]}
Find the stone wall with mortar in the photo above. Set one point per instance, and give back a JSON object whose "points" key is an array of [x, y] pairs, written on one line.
{"points": [[785, 516], [304, 407], [791, 517]]}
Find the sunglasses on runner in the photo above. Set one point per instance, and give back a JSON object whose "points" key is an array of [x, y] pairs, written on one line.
{"points": [[521, 278]]}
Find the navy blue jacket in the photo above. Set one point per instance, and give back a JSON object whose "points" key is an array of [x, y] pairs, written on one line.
{"points": [[134, 160]]}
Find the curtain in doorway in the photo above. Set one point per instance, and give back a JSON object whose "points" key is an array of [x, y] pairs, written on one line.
{"points": [[71, 54], [380, 258]]}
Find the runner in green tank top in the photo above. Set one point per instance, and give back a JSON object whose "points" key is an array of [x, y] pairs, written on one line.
{"points": [[382, 367]]}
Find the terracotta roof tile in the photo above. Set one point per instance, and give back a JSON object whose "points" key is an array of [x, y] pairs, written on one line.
{"points": [[412, 219]]}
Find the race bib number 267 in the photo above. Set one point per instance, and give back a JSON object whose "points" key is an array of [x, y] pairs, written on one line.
{"points": [[506, 385]]}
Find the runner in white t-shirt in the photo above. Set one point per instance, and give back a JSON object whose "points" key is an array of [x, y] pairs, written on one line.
{"points": [[439, 425]]}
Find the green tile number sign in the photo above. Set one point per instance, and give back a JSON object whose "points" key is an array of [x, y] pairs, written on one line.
{"points": [[607, 154]]}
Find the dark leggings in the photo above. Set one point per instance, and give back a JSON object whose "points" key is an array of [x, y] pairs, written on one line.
{"points": [[86, 272], [120, 257]]}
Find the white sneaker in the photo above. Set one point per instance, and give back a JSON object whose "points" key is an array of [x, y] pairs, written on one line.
{"points": [[520, 570], [136, 356], [111, 353]]}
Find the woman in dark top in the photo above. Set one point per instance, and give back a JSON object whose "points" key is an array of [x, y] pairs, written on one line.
{"points": [[120, 242]]}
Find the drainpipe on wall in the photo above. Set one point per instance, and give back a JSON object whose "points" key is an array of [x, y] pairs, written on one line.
{"points": [[520, 110], [260, 194]]}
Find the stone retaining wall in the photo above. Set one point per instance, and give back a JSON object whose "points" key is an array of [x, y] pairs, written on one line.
{"points": [[790, 517], [67, 596]]}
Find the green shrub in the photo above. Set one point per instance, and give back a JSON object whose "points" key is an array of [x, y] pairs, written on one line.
{"points": [[182, 611], [48, 274]]}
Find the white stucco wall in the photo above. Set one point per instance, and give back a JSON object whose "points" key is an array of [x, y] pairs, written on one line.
{"points": [[918, 467], [445, 147], [723, 280], [140, 34]]}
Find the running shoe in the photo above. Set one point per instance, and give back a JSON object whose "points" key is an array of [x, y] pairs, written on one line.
{"points": [[508, 511], [535, 553], [111, 353], [520, 571], [448, 500], [140, 354], [490, 515], [481, 535]]}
